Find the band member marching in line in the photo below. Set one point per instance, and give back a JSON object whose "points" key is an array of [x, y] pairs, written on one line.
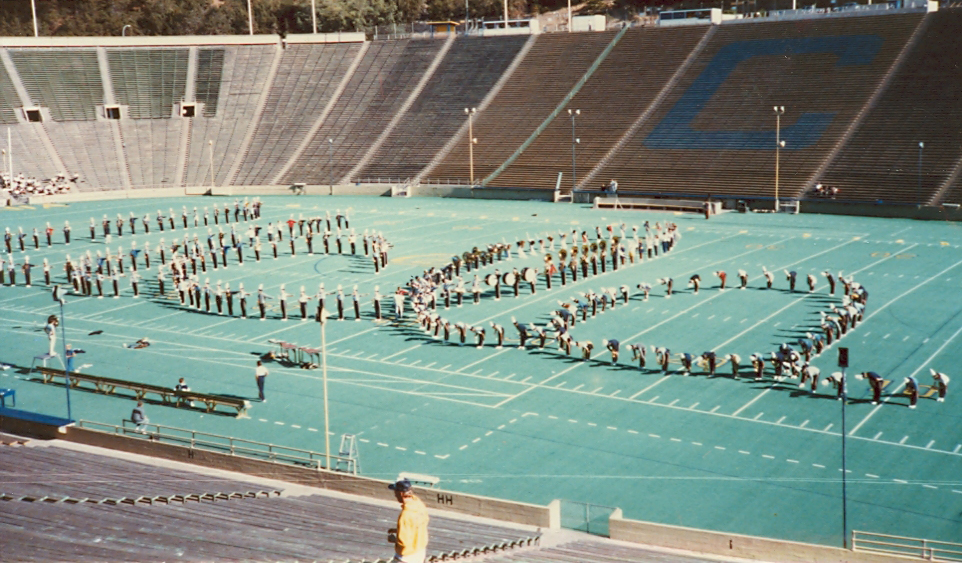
{"points": [[941, 383], [638, 353], [613, 346], [262, 301]]}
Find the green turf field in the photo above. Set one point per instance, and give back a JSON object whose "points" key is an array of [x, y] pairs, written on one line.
{"points": [[735, 455]]}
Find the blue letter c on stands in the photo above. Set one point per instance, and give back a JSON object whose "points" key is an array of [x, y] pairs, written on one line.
{"points": [[675, 131]]}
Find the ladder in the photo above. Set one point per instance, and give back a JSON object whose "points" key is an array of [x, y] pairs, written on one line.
{"points": [[348, 459]]}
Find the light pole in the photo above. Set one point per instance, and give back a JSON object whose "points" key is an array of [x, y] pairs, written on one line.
{"points": [[250, 18], [327, 419], [123, 30], [843, 364], [779, 111], [36, 30], [210, 145], [921, 146], [58, 297], [471, 141], [467, 16], [313, 16], [330, 163], [574, 141]]}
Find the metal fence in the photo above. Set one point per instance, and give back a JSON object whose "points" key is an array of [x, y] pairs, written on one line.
{"points": [[226, 445], [928, 550]]}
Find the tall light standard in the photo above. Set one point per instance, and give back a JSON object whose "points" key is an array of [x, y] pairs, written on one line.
{"points": [[313, 16], [210, 145], [58, 297], [779, 112], [574, 141], [250, 18], [843, 364], [467, 16], [471, 141], [36, 30], [327, 419], [330, 164], [921, 146], [123, 30]]}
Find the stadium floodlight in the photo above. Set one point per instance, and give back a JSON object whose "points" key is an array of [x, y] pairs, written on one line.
{"points": [[779, 112], [210, 144], [330, 163], [471, 141], [574, 141], [921, 146]]}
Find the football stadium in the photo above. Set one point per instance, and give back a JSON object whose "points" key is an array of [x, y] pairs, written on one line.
{"points": [[681, 291]]}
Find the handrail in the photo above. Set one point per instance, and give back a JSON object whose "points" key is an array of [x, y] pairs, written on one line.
{"points": [[906, 546], [228, 444]]}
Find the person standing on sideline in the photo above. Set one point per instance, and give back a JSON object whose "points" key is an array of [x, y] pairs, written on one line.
{"points": [[51, 330], [410, 538], [139, 417], [260, 375]]}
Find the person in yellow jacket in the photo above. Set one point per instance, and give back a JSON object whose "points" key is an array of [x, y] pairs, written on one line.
{"points": [[410, 538]]}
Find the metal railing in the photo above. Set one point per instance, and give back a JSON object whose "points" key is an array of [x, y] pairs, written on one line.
{"points": [[928, 550], [225, 444]]}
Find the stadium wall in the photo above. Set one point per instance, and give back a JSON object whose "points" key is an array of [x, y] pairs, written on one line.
{"points": [[734, 545], [498, 509]]}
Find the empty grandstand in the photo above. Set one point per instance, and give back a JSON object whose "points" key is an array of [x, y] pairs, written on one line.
{"points": [[550, 438], [675, 111]]}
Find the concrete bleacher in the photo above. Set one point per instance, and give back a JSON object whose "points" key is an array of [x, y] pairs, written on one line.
{"points": [[386, 75], [152, 148], [9, 100], [625, 83], [88, 148], [30, 155], [68, 82], [210, 68], [38, 471], [242, 82], [714, 133], [319, 527], [305, 81], [149, 81], [596, 551], [881, 161], [551, 68], [468, 72]]}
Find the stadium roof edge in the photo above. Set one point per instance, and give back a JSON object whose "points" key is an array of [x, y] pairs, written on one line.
{"points": [[143, 41]]}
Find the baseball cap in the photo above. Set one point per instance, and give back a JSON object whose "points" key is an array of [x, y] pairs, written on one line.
{"points": [[404, 485]]}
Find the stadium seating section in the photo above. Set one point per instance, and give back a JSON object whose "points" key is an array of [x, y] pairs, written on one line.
{"points": [[62, 503], [684, 111]]}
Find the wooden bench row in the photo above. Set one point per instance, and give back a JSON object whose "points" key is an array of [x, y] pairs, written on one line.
{"points": [[683, 205], [109, 385]]}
